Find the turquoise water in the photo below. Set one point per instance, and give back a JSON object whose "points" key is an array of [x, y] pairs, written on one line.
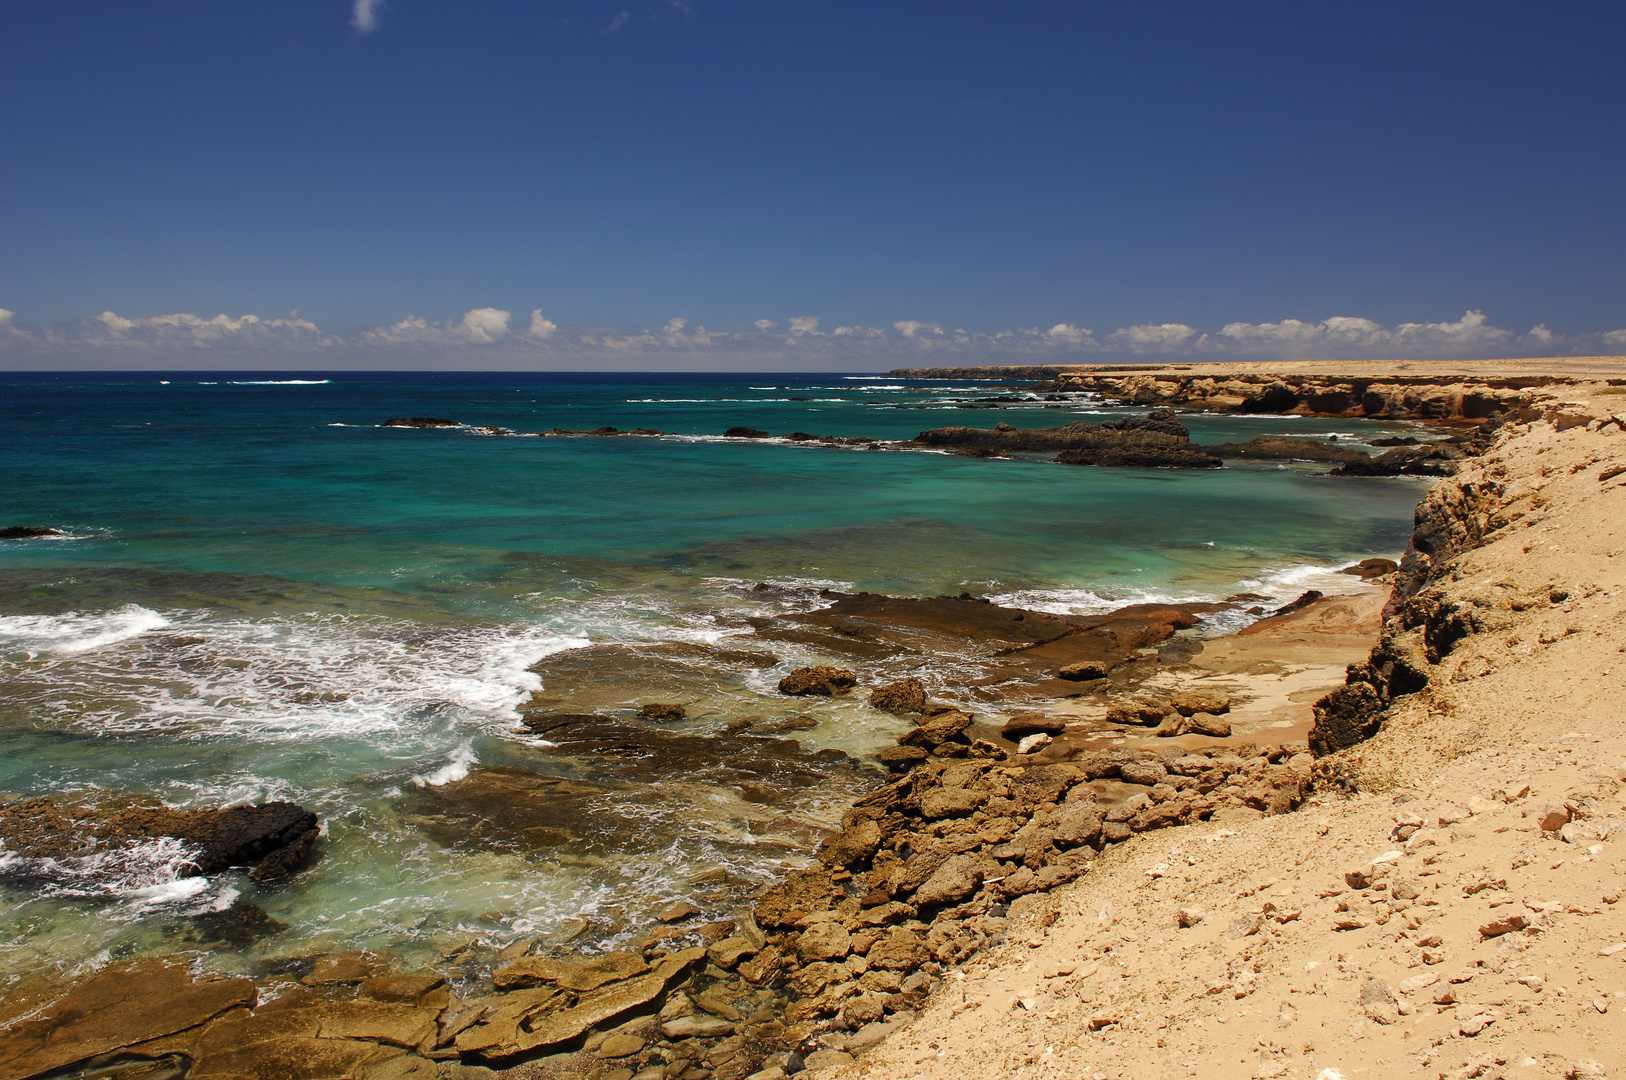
{"points": [[267, 595]]}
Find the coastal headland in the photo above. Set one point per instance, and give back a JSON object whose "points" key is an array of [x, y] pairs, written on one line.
{"points": [[1372, 831]]}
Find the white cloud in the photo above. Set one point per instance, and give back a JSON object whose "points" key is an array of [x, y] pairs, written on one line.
{"points": [[485, 325], [292, 341], [912, 328], [364, 15], [194, 330], [1069, 334], [619, 21], [1154, 337]]}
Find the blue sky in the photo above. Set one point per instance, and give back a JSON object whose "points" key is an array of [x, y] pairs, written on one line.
{"points": [[671, 183]]}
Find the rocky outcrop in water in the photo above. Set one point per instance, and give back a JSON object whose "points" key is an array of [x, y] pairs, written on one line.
{"points": [[1159, 429], [270, 840], [1151, 457], [29, 532], [420, 422]]}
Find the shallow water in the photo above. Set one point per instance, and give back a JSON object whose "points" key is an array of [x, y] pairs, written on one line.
{"points": [[268, 596]]}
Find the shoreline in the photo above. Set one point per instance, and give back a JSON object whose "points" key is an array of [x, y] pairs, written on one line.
{"points": [[672, 975]]}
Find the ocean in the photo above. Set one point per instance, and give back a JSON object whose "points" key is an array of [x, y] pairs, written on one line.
{"points": [[264, 594]]}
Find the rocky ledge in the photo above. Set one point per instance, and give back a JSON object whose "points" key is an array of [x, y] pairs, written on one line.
{"points": [[29, 532], [269, 841]]}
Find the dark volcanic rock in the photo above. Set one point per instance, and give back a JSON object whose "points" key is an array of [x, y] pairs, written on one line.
{"points": [[271, 840], [29, 532], [745, 433], [420, 422]]}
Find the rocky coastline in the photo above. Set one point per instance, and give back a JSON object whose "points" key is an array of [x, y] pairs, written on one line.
{"points": [[964, 866]]}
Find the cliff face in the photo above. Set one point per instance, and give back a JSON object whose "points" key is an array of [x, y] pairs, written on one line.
{"points": [[1431, 613]]}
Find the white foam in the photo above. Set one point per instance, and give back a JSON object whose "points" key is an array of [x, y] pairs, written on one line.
{"points": [[280, 382], [303, 677], [75, 632], [456, 768]]}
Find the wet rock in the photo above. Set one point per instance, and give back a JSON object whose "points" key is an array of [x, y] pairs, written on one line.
{"points": [[405, 989], [271, 840], [1160, 429], [29, 532], [1367, 569], [820, 680], [420, 422], [728, 952], [676, 911], [697, 1027], [1020, 726], [741, 432], [1275, 448], [117, 1008], [619, 1046], [936, 730], [663, 712], [1304, 601], [904, 696], [578, 975], [784, 726]]}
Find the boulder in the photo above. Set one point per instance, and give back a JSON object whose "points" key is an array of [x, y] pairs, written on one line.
{"points": [[1084, 671], [741, 432], [1147, 713], [820, 680], [697, 1027], [1207, 724], [903, 758], [946, 803], [1145, 771], [852, 846], [952, 882], [936, 730], [29, 532], [663, 712], [824, 941], [1020, 726], [904, 696], [1187, 702]]}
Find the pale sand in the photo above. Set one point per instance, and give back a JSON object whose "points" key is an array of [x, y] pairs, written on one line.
{"points": [[1098, 980]]}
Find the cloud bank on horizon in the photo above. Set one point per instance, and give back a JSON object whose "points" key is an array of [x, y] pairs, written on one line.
{"points": [[491, 337]]}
